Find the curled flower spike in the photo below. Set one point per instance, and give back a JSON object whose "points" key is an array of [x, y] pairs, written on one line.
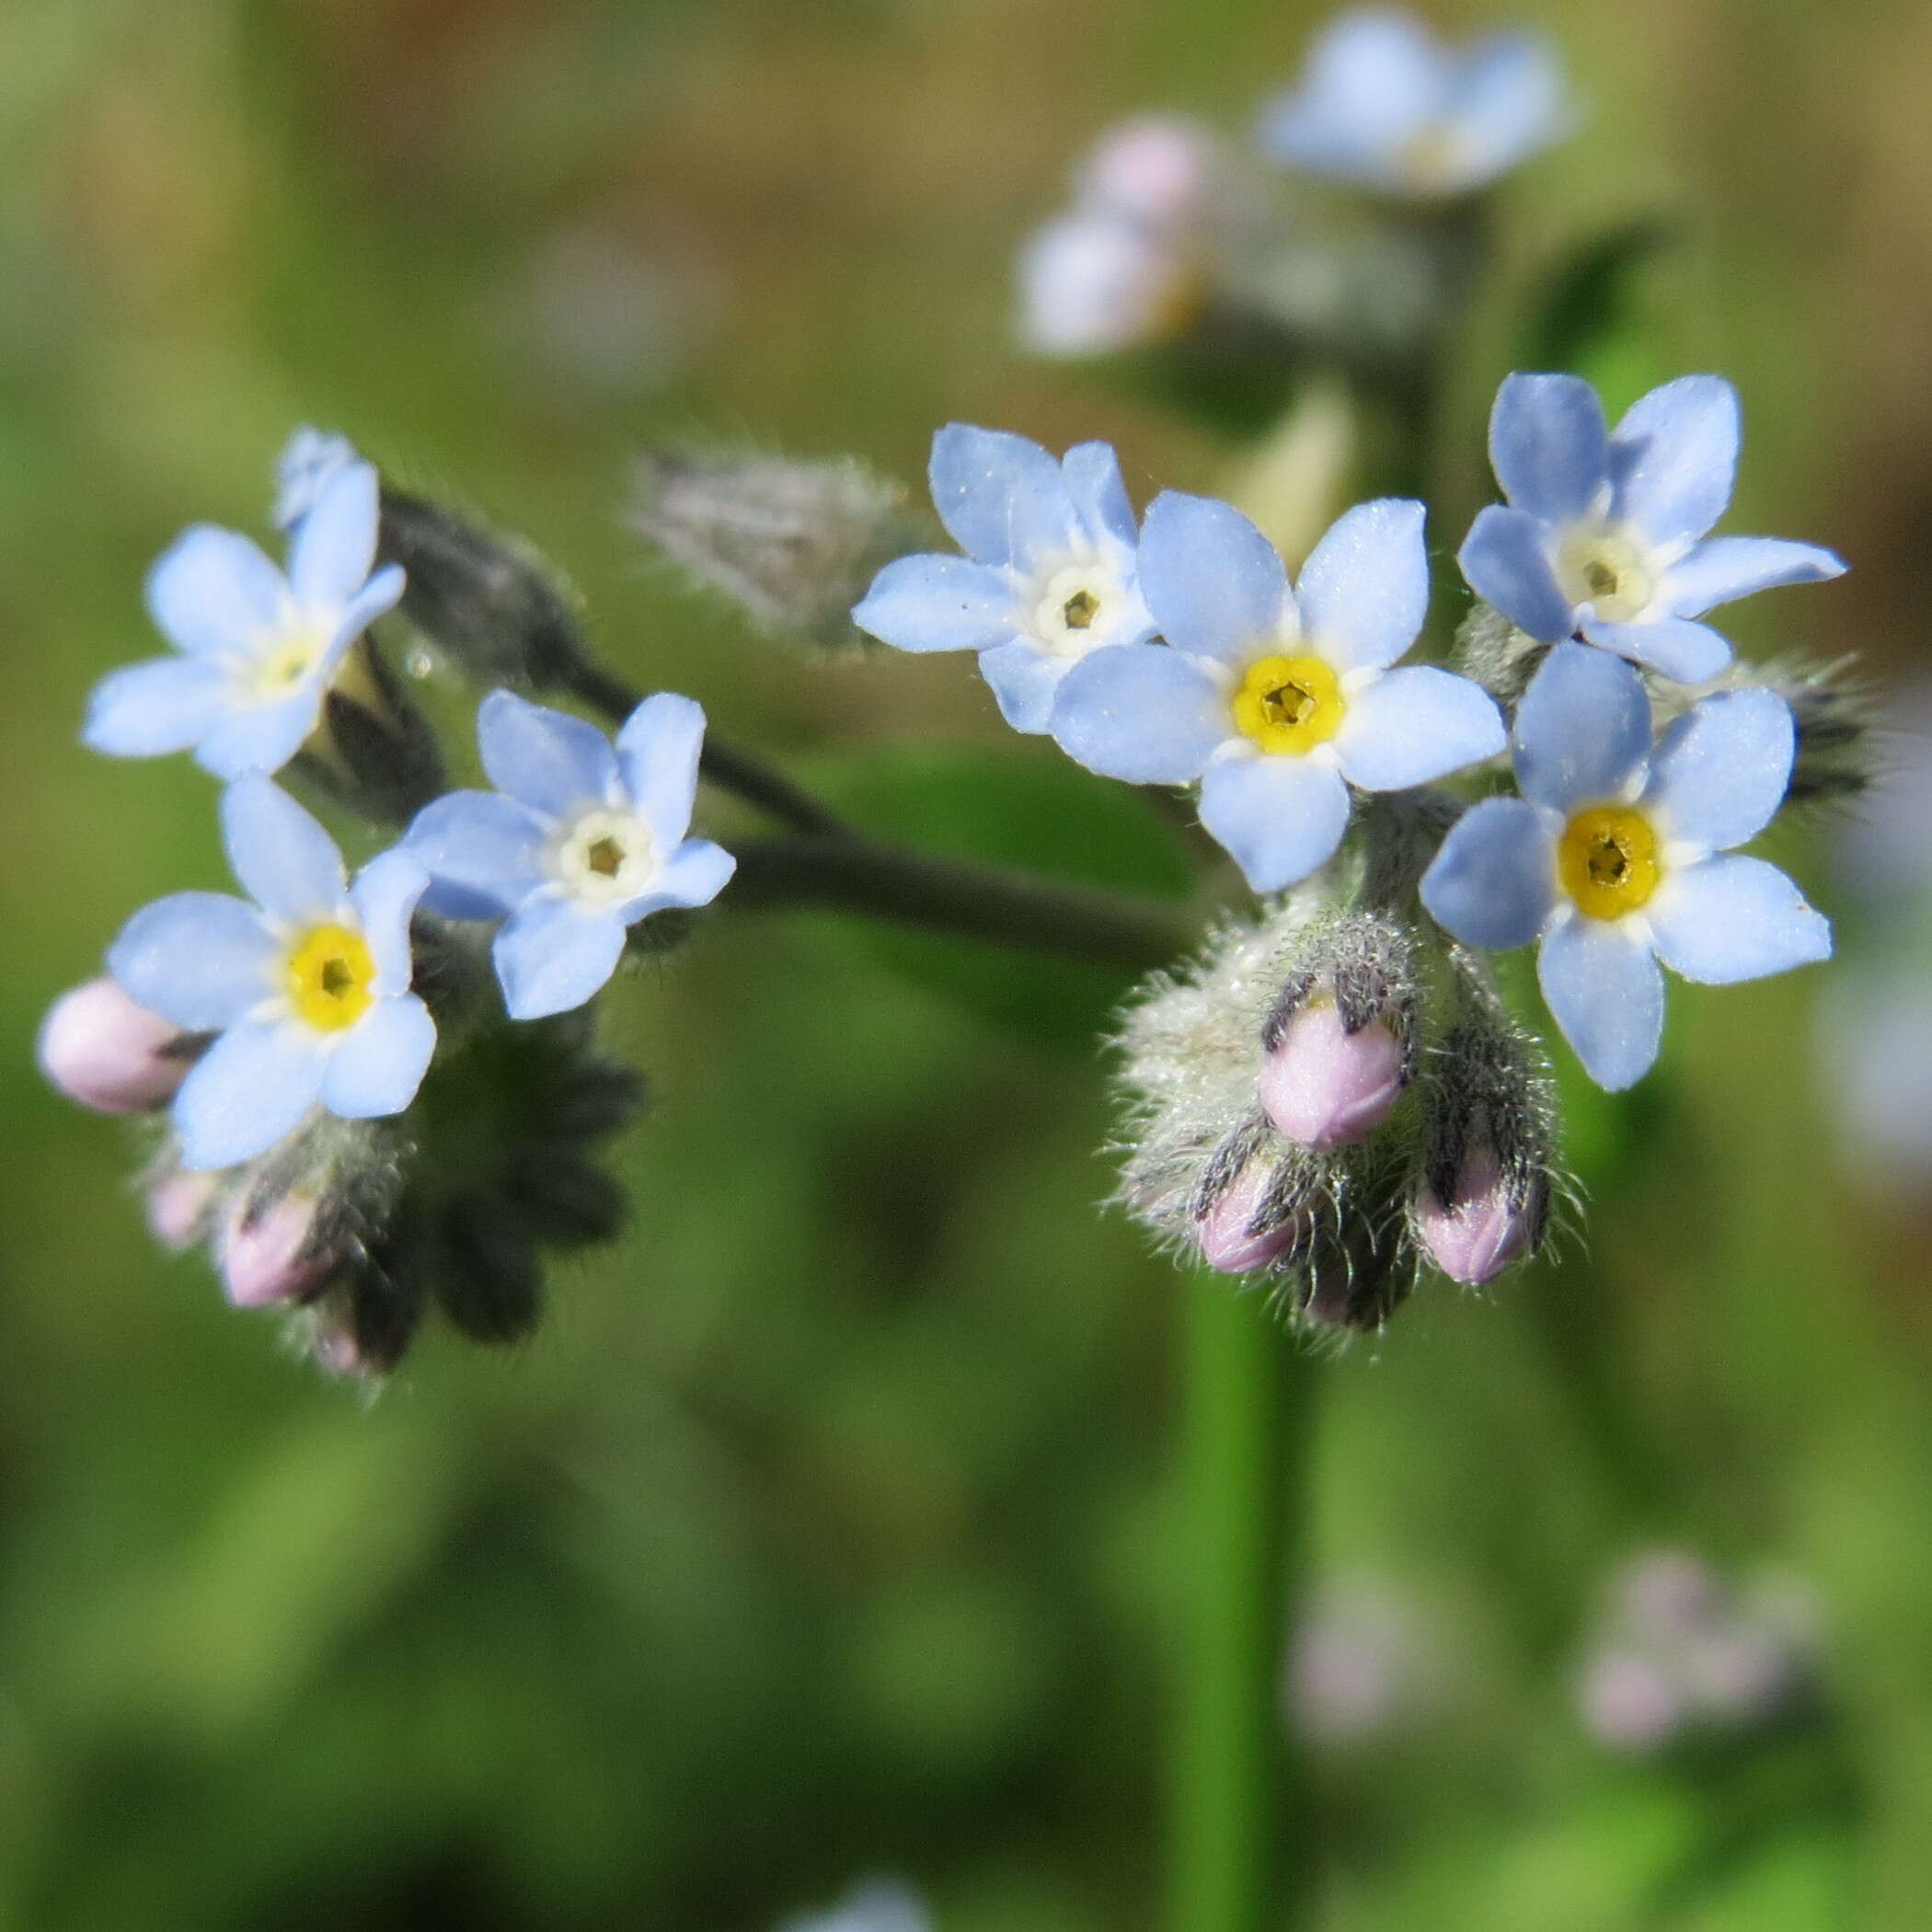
{"points": [[308, 987], [257, 651], [1386, 106], [1605, 533], [1277, 700], [1049, 574], [1614, 858], [578, 841]]}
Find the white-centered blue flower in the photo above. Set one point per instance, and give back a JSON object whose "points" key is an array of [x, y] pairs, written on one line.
{"points": [[1605, 533], [1049, 572], [1386, 106], [310, 460], [1276, 699], [578, 841], [256, 650], [1618, 855], [308, 986]]}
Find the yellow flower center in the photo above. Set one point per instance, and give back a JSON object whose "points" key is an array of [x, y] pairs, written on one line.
{"points": [[1433, 161], [1288, 706], [1607, 860], [282, 666], [1606, 570], [331, 977]]}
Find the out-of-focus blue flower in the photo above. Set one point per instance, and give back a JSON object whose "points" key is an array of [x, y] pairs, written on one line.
{"points": [[1049, 575], [871, 1906], [308, 986], [1605, 530], [309, 462], [256, 650], [578, 841], [1386, 106], [1617, 856], [1277, 700]]}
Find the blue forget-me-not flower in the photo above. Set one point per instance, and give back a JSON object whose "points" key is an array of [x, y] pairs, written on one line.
{"points": [[1384, 105], [1049, 572], [310, 460], [256, 650], [578, 841], [1618, 855], [1276, 699], [1605, 530], [307, 987]]}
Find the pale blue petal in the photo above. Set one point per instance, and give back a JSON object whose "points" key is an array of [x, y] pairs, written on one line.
{"points": [[1413, 726], [333, 550], [552, 955], [249, 1091], [1375, 80], [260, 739], [1606, 995], [1675, 457], [1142, 712], [1506, 104], [1722, 770], [308, 460], [1548, 445], [1582, 730], [375, 1070], [553, 763], [384, 896], [658, 749], [163, 704], [935, 603], [694, 875], [1213, 581], [1002, 497], [1506, 558], [383, 592], [1676, 648], [1281, 818], [484, 853], [200, 959], [1100, 497], [1364, 589], [1494, 882], [1724, 568], [1734, 918], [1025, 680], [211, 590], [286, 861]]}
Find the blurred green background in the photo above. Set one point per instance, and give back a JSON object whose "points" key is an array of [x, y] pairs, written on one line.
{"points": [[830, 1524]]}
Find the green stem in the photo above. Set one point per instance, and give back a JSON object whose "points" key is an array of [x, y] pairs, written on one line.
{"points": [[856, 874], [1246, 1433]]}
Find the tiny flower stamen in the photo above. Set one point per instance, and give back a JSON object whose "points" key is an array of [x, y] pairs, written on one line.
{"points": [[1606, 569], [330, 974], [1607, 861], [1079, 610], [1289, 704]]}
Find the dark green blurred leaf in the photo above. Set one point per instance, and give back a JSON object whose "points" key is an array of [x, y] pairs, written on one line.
{"points": [[1591, 299]]}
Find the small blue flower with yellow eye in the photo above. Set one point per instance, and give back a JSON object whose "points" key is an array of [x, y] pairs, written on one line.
{"points": [[307, 987], [257, 651], [1605, 533], [1618, 855], [1048, 575], [580, 841]]}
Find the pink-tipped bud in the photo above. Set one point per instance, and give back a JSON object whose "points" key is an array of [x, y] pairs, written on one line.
{"points": [[1630, 1703], [1327, 1087], [1222, 1232], [274, 1256], [1480, 1231], [102, 1049], [177, 1206], [1156, 169]]}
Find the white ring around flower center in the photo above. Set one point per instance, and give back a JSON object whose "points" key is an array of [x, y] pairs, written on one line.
{"points": [[282, 663], [1076, 608], [604, 857], [1607, 569]]}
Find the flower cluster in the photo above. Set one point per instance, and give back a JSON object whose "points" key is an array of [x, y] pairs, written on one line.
{"points": [[302, 1037]]}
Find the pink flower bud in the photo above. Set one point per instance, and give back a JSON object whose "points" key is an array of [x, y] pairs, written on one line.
{"points": [[102, 1049], [1327, 1087], [176, 1205], [1156, 169], [1226, 1243], [1630, 1702], [275, 1255], [1480, 1232]]}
